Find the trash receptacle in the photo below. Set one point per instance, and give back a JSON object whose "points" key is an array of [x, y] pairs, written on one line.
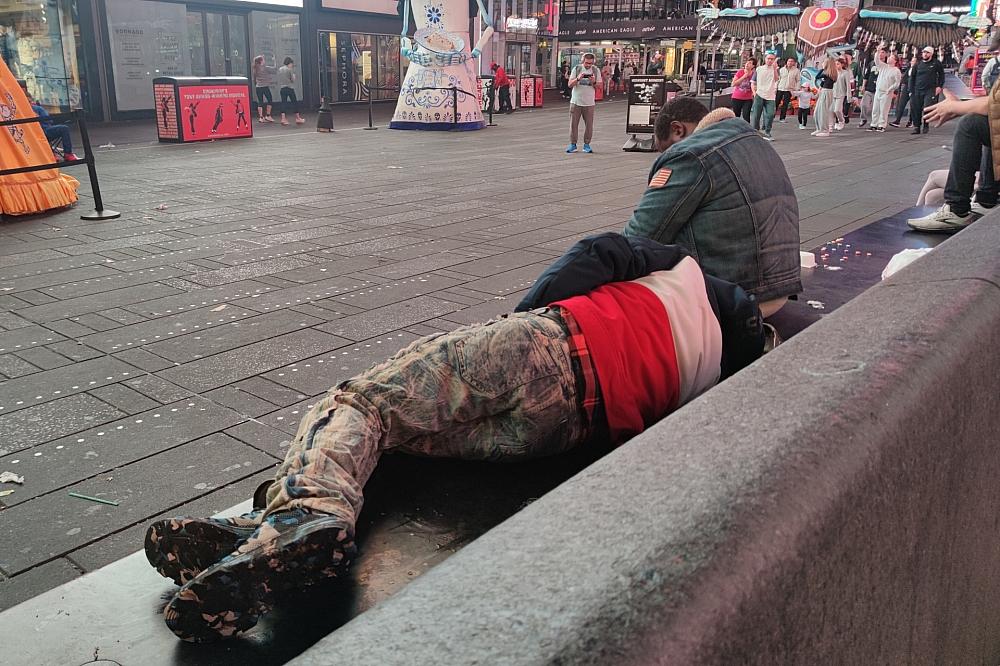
{"points": [[191, 108], [530, 91]]}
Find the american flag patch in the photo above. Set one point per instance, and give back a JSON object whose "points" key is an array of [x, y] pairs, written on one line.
{"points": [[661, 178]]}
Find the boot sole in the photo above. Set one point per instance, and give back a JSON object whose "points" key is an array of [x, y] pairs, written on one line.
{"points": [[181, 548], [229, 597]]}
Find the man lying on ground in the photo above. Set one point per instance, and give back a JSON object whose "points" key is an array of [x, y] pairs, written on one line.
{"points": [[720, 191], [613, 336]]}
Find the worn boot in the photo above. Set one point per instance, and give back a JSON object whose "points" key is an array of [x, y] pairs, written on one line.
{"points": [[290, 550], [181, 548]]}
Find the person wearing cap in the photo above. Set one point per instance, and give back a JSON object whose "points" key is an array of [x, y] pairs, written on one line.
{"points": [[926, 83], [502, 84]]}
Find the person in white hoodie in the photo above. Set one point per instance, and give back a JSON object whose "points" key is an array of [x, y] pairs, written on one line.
{"points": [[887, 83]]}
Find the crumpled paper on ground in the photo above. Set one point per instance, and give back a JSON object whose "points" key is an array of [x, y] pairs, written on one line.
{"points": [[903, 259], [10, 477]]}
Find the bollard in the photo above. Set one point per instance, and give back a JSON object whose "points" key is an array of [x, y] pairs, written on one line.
{"points": [[324, 121]]}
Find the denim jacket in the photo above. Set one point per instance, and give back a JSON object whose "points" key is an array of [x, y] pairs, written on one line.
{"points": [[726, 199]]}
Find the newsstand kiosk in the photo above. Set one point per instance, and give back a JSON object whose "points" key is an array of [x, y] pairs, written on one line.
{"points": [[191, 108]]}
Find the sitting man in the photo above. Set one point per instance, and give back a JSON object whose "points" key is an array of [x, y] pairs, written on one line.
{"points": [[974, 148], [613, 336], [721, 192], [53, 131]]}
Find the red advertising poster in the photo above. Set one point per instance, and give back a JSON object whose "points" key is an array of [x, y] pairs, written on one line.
{"points": [[527, 92], [166, 114], [215, 112], [539, 92]]}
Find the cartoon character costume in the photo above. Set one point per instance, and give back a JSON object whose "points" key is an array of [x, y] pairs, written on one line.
{"points": [[23, 146], [440, 60]]}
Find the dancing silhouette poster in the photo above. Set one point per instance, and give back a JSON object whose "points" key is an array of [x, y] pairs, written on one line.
{"points": [[218, 111]]}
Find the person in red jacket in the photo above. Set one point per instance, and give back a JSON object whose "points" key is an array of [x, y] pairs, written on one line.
{"points": [[615, 335], [502, 83]]}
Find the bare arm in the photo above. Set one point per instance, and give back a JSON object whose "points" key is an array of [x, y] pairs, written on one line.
{"points": [[952, 107]]}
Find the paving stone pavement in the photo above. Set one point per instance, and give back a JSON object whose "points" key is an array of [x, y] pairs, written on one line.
{"points": [[162, 360]]}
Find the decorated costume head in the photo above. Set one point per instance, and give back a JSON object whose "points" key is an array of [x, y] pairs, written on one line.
{"points": [[473, 8]]}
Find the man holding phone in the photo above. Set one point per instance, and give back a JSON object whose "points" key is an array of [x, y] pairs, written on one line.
{"points": [[583, 81]]}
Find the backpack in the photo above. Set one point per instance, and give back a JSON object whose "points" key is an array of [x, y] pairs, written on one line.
{"points": [[991, 72]]}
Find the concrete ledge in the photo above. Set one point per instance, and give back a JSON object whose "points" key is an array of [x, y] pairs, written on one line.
{"points": [[837, 502]]}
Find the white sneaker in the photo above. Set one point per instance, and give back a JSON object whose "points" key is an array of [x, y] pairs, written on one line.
{"points": [[979, 209], [802, 127], [941, 220], [838, 127], [821, 134], [814, 133]]}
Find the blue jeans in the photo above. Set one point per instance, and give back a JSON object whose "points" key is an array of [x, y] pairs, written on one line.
{"points": [[59, 132], [765, 106], [971, 151]]}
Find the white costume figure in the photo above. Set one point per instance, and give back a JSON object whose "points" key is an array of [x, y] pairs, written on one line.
{"points": [[441, 58]]}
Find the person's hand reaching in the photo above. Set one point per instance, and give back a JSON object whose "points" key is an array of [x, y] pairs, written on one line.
{"points": [[940, 113]]}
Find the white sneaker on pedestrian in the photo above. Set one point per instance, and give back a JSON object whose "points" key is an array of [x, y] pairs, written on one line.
{"points": [[802, 127], [814, 133], [821, 134], [782, 120], [767, 136], [941, 220], [838, 126], [979, 209]]}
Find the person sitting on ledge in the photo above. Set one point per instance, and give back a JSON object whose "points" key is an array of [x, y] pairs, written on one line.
{"points": [[976, 147], [720, 191], [615, 335]]}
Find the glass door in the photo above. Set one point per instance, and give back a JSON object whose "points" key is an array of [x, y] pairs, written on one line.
{"points": [[219, 44]]}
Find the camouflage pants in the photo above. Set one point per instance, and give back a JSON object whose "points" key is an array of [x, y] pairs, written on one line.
{"points": [[504, 390]]}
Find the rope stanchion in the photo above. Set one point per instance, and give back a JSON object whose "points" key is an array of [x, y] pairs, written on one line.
{"points": [[99, 212], [454, 99], [371, 124]]}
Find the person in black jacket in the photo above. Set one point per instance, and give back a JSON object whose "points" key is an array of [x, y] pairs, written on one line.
{"points": [[926, 83], [615, 335]]}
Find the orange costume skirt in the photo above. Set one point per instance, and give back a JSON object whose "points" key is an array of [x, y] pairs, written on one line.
{"points": [[22, 146]]}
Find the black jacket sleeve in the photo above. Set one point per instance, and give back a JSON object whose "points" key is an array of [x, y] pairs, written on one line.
{"points": [[940, 73], [598, 260]]}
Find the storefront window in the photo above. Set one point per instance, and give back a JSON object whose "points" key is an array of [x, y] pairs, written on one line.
{"points": [[351, 63], [39, 42], [276, 37], [148, 39]]}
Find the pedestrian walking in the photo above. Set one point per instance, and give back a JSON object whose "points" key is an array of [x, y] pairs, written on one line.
{"points": [[564, 78], [263, 78], [286, 84], [825, 102], [765, 89], [606, 73], [788, 85], [852, 85], [583, 81], [886, 84], [616, 77], [804, 96], [926, 83], [743, 89], [841, 91]]}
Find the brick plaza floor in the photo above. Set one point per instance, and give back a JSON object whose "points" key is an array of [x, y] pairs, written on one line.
{"points": [[162, 360]]}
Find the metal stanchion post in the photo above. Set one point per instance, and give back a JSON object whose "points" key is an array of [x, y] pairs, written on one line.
{"points": [[492, 98], [454, 102], [371, 125], [99, 213]]}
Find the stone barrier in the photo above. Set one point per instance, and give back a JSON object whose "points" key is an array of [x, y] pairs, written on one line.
{"points": [[838, 502]]}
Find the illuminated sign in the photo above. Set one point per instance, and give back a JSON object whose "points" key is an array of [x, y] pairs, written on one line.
{"points": [[526, 24]]}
